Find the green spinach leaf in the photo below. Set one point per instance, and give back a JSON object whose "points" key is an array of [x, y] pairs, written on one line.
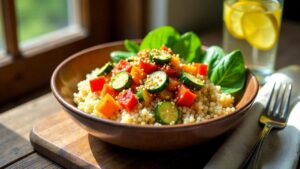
{"points": [[212, 57], [131, 46], [188, 47], [229, 73], [165, 35]]}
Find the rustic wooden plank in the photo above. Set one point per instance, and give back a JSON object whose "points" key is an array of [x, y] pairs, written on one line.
{"points": [[15, 126], [73, 147], [34, 161]]}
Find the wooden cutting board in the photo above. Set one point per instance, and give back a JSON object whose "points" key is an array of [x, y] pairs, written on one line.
{"points": [[66, 143]]}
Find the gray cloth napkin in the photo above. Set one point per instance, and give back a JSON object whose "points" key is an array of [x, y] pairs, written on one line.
{"points": [[281, 148]]}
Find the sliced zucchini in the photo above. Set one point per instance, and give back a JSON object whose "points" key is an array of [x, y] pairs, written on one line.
{"points": [[156, 82], [191, 81], [120, 81], [166, 113], [105, 69], [160, 56]]}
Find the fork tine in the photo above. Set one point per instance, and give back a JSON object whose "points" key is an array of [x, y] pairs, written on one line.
{"points": [[270, 99], [281, 91], [285, 112], [275, 102]]}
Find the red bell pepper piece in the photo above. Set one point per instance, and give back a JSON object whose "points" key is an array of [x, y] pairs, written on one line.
{"points": [[127, 100], [97, 83], [171, 72], [123, 65], [185, 97], [147, 66], [201, 69]]}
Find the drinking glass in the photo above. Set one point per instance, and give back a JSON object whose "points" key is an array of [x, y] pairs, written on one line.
{"points": [[253, 26]]}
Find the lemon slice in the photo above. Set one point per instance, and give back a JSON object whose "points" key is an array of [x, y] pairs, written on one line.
{"points": [[260, 29], [234, 14]]}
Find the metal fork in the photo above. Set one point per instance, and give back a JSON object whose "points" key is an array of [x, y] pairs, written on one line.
{"points": [[274, 116]]}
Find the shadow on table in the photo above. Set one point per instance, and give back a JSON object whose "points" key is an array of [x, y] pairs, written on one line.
{"points": [[12, 146], [116, 157]]}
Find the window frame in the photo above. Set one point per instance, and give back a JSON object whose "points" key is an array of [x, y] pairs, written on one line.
{"points": [[16, 79]]}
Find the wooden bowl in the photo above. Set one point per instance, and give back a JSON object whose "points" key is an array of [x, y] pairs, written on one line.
{"points": [[64, 83]]}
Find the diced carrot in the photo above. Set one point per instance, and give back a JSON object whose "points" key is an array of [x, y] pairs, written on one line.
{"points": [[189, 68], [175, 62], [137, 75], [108, 106], [108, 89]]}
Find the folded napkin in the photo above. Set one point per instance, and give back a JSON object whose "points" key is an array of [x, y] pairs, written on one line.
{"points": [[281, 148]]}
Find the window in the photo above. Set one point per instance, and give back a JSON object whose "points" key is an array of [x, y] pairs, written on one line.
{"points": [[47, 16], [39, 34]]}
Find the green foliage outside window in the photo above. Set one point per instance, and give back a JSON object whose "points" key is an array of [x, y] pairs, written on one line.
{"points": [[37, 17]]}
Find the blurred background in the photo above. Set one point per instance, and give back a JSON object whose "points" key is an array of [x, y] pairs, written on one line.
{"points": [[36, 35]]}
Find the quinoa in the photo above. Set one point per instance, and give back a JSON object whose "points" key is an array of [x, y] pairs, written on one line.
{"points": [[210, 102]]}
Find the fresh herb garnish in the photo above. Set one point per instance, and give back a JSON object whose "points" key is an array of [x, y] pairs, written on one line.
{"points": [[165, 35], [229, 73], [188, 47], [212, 57]]}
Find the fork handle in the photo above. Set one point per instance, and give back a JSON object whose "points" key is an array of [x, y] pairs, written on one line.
{"points": [[254, 154]]}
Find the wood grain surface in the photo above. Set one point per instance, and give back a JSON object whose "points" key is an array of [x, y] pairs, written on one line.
{"points": [[15, 126], [34, 161], [64, 142]]}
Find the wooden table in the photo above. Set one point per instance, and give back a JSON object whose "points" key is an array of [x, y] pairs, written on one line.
{"points": [[15, 124]]}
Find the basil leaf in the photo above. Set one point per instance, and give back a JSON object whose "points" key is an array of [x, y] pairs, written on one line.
{"points": [[212, 57], [229, 73], [188, 47], [234, 88], [116, 56], [131, 46], [164, 35]]}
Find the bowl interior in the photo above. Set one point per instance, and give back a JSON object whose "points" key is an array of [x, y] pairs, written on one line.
{"points": [[71, 71]]}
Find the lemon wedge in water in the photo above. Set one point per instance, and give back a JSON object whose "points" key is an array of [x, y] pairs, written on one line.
{"points": [[260, 30], [234, 14]]}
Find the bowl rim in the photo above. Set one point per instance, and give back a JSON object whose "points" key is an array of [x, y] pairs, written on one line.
{"points": [[83, 114]]}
